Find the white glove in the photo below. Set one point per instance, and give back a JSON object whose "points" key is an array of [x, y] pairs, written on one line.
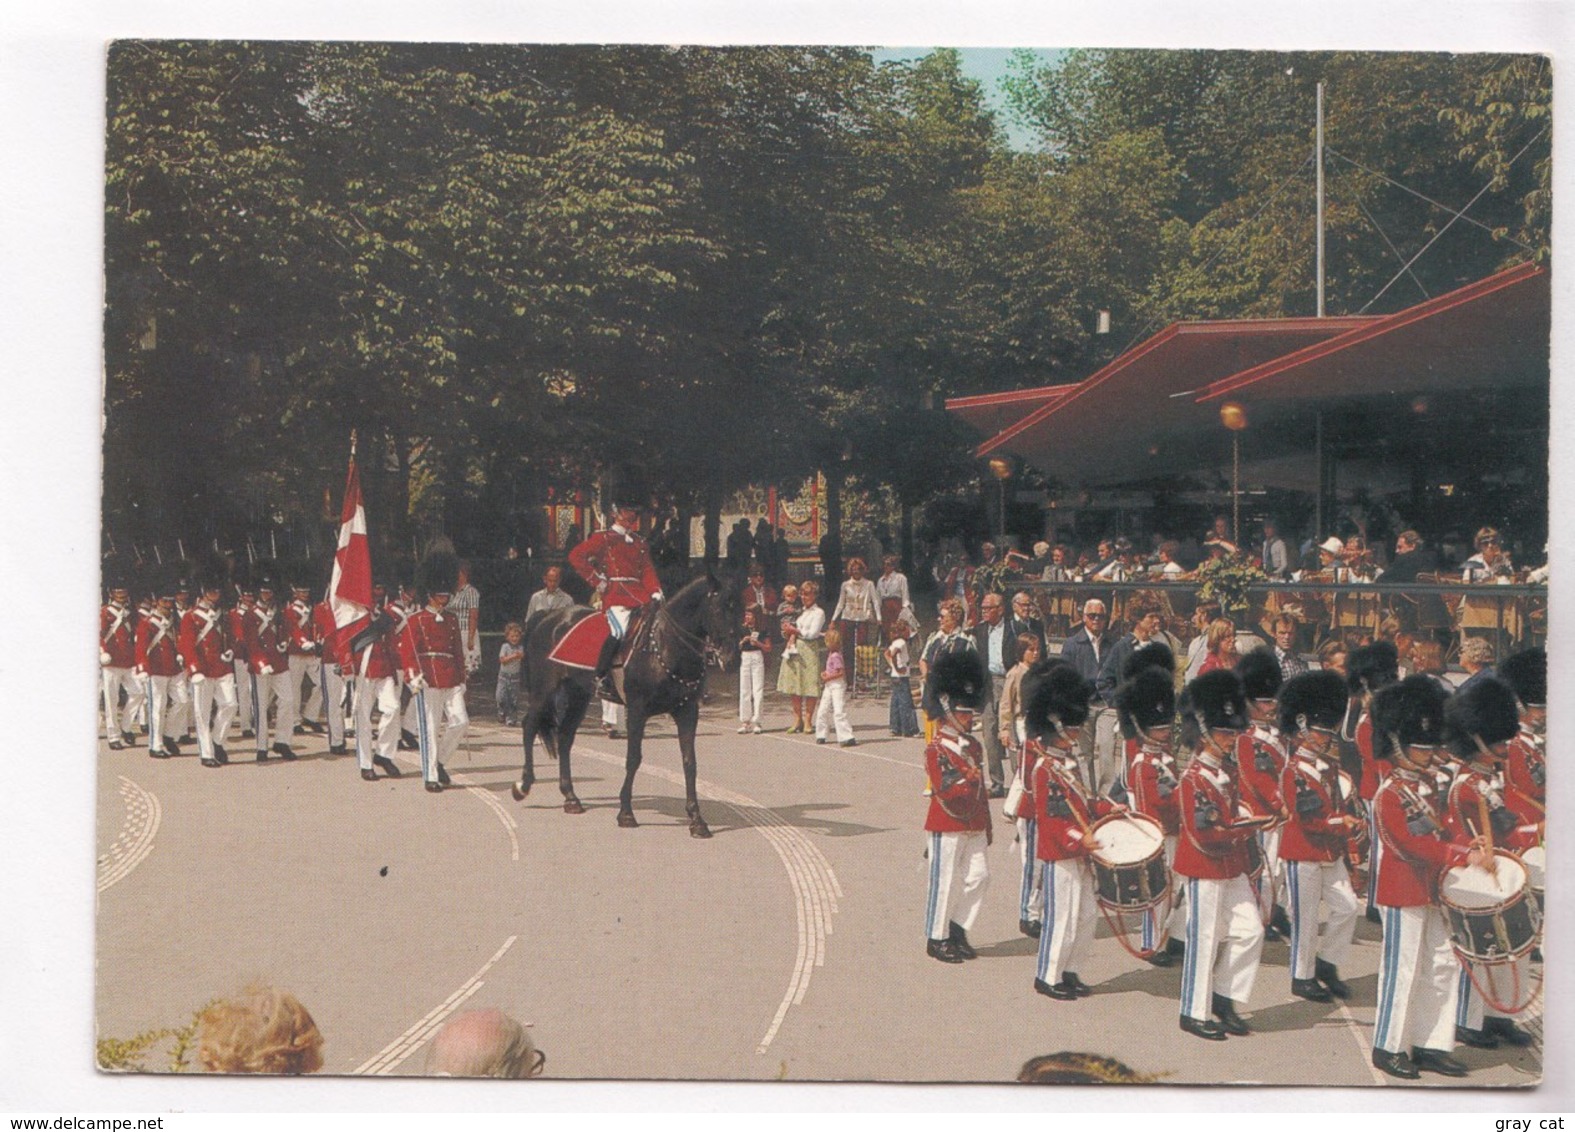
{"points": [[657, 596], [265, 670], [104, 657], [227, 656], [601, 586], [197, 678], [416, 683], [139, 671]]}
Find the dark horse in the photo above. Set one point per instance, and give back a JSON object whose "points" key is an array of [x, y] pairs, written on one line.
{"points": [[663, 675]]}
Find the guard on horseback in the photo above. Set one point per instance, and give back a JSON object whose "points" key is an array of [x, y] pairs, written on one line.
{"points": [[617, 563]]}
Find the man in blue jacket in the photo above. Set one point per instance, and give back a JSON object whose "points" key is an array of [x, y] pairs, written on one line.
{"points": [[1086, 651]]}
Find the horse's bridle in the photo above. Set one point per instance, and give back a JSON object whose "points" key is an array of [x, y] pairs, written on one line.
{"points": [[696, 643]]}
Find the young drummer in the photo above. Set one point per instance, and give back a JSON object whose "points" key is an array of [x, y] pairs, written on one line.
{"points": [[1261, 755], [1224, 931], [1064, 813], [1030, 895], [1153, 654], [1146, 708], [1313, 839], [959, 817], [1479, 722], [1417, 969]]}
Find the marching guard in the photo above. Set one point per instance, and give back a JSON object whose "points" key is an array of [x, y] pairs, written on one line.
{"points": [[1146, 708], [209, 660], [117, 656], [303, 646], [1525, 771], [959, 816], [333, 664], [1369, 669], [433, 658], [1261, 758], [374, 669], [159, 663], [1030, 893], [243, 675], [268, 657]]}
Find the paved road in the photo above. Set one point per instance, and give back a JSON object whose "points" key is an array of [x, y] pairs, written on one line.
{"points": [[789, 946]]}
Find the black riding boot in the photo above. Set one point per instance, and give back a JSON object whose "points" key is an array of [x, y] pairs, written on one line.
{"points": [[604, 666]]}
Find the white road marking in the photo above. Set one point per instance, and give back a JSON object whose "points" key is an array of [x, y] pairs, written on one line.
{"points": [[397, 1051], [498, 810], [135, 842], [815, 885]]}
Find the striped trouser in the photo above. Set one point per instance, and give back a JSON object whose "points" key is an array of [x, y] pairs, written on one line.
{"points": [[166, 697], [243, 694], [114, 680], [1509, 983], [1374, 850], [213, 707], [271, 688], [383, 694], [300, 668], [333, 682], [1070, 912], [441, 720], [1418, 982], [959, 875], [1031, 898], [1309, 884], [1176, 921], [1224, 942], [178, 718], [1273, 878]]}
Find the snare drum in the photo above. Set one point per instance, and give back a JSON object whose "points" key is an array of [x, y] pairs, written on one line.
{"points": [[1130, 873], [1491, 919], [1536, 861], [1357, 845]]}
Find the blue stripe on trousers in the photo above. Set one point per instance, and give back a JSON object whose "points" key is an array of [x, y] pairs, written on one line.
{"points": [[935, 883], [1293, 880], [1387, 977], [1047, 930], [1189, 965], [257, 731], [1030, 835], [424, 740]]}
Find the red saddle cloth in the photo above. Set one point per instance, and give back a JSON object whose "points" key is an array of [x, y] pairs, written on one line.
{"points": [[581, 646]]}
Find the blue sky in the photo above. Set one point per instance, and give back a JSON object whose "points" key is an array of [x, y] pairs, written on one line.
{"points": [[986, 64]]}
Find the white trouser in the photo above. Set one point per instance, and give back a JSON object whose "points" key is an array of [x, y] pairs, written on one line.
{"points": [[1374, 852], [1418, 980], [612, 714], [959, 876], [272, 688], [178, 719], [751, 685], [114, 680], [1176, 921], [1070, 912], [334, 702], [243, 694], [441, 720], [166, 706], [1307, 884], [302, 668], [1030, 896], [1273, 872], [213, 707], [1219, 912], [382, 692], [833, 708], [410, 721], [1509, 983]]}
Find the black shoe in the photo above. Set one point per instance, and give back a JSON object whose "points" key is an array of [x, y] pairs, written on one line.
{"points": [[369, 775], [959, 941], [386, 765], [1279, 921], [1272, 934], [1476, 1039], [997, 791], [336, 749], [443, 775], [850, 743], [170, 749], [1329, 975], [407, 742], [1310, 989], [315, 728], [1505, 1028], [434, 788], [210, 762], [158, 753], [298, 729], [186, 741], [1395, 1064], [1230, 1021], [1437, 1061], [1030, 928], [1374, 918], [1079, 987], [943, 950], [284, 751], [605, 689], [1059, 991], [129, 738], [1177, 948], [262, 756], [248, 733], [1161, 959], [116, 745], [220, 754], [1207, 1028]]}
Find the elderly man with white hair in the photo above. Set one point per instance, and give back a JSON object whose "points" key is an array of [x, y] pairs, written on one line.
{"points": [[1086, 650], [484, 1043]]}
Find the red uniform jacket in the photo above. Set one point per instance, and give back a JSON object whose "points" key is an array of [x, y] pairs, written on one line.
{"points": [[237, 618], [620, 559], [1416, 847], [117, 635], [1033, 751], [1261, 758], [1526, 777], [430, 648], [157, 650], [1373, 771], [958, 803], [302, 639], [267, 641], [1155, 783], [382, 655], [1062, 810], [1209, 848], [1473, 786], [205, 642], [1310, 788], [327, 633]]}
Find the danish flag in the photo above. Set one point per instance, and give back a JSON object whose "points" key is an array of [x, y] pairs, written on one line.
{"points": [[350, 590]]}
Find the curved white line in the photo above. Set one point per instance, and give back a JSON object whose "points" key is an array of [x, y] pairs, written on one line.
{"points": [[141, 834], [498, 811], [396, 1052]]}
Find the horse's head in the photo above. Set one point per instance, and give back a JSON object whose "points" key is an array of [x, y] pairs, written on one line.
{"points": [[722, 614]]}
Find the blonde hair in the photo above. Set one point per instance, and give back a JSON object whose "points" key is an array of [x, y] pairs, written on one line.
{"points": [[1219, 631], [261, 1030], [832, 639]]}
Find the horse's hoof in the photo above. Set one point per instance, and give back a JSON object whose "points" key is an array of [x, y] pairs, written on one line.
{"points": [[520, 790], [573, 806], [699, 829], [626, 821]]}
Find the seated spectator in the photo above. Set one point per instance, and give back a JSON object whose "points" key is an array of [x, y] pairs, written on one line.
{"points": [[261, 1030], [484, 1043], [1476, 657], [1490, 562]]}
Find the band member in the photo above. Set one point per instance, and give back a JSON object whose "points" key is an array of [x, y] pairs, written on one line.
{"points": [[1146, 706], [618, 564], [959, 817], [243, 675], [159, 664], [304, 652], [1313, 839], [177, 719], [1261, 756], [1030, 900], [268, 657], [1368, 669], [1525, 771], [209, 660], [1479, 723], [432, 656], [1154, 654], [1418, 975], [117, 655], [1224, 931], [332, 664], [374, 672], [1064, 814]]}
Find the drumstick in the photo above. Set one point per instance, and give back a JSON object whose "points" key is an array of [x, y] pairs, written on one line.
{"points": [[1486, 830]]}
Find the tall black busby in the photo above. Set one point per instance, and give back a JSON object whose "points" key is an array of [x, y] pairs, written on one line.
{"points": [[1060, 694], [1527, 673], [1312, 699], [1152, 654], [1485, 711], [1371, 667], [624, 486], [1213, 700], [1260, 674], [1410, 712], [959, 680], [1146, 701], [439, 570]]}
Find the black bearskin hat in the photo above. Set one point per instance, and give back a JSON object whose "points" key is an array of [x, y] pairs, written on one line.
{"points": [[1146, 701], [1485, 711], [1371, 667], [1059, 695], [1313, 699], [266, 580], [1260, 675], [1527, 673], [624, 486], [1214, 699], [959, 680], [1153, 654], [1411, 713], [439, 570]]}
